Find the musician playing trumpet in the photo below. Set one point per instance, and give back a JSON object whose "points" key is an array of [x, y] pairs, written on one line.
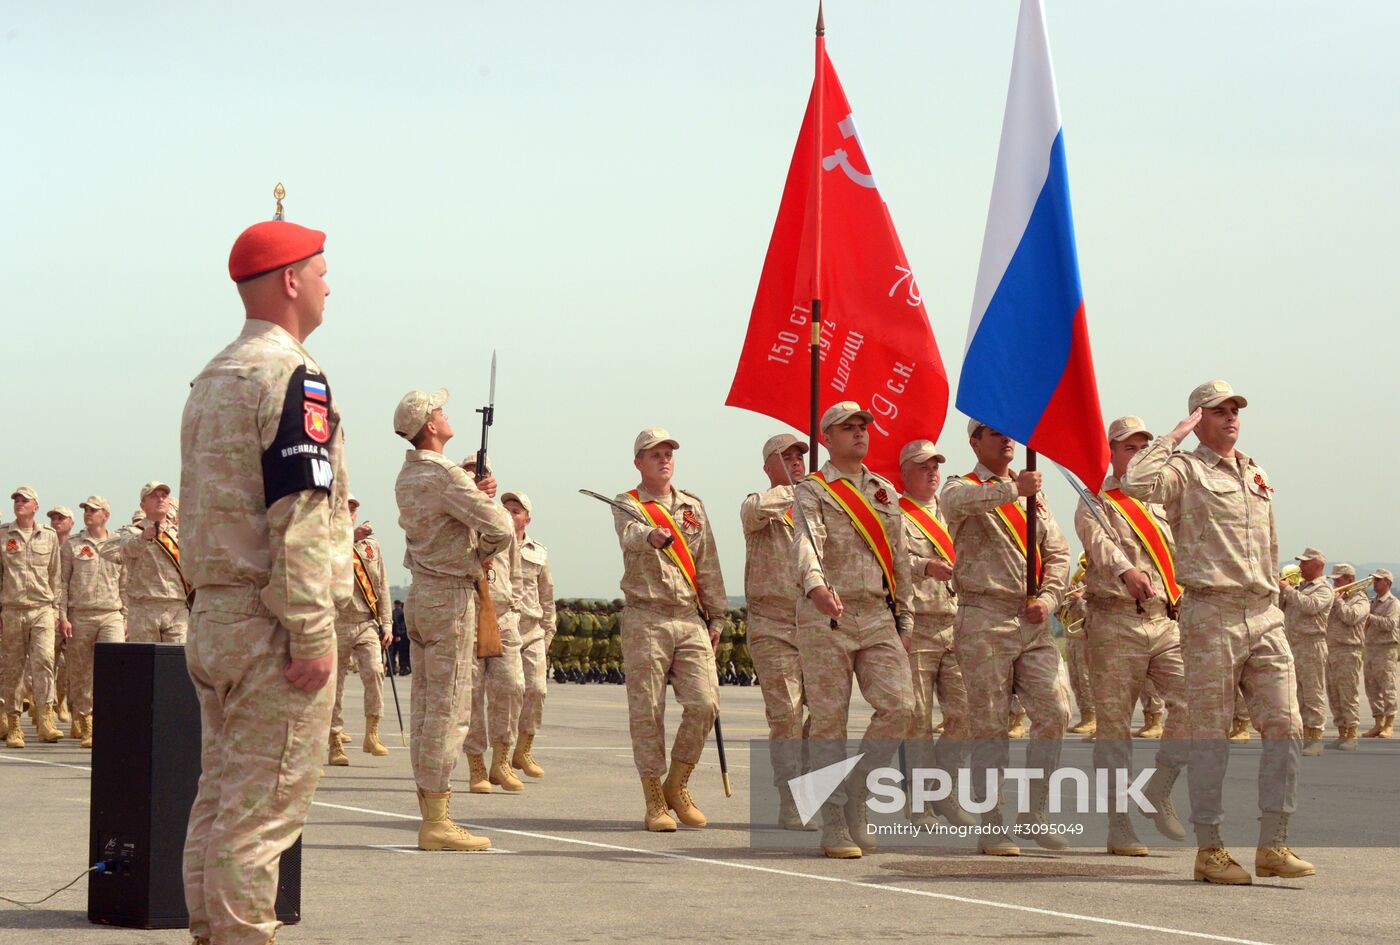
{"points": [[1306, 599], [1346, 630], [1071, 615]]}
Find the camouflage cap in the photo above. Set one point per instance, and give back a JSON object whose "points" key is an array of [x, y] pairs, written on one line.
{"points": [[96, 503], [918, 451], [1381, 574], [352, 501], [469, 464], [153, 485], [653, 436], [1342, 569], [414, 409], [520, 497], [1311, 554], [25, 492], [63, 510], [1124, 427], [781, 443], [1212, 394], [843, 411]]}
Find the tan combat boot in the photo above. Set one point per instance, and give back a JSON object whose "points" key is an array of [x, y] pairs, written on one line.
{"points": [[1016, 725], [63, 713], [1274, 858], [522, 758], [372, 745], [1375, 729], [1213, 862], [438, 832], [1312, 742], [1151, 726], [788, 817], [4, 724], [678, 797], [1239, 730], [996, 839], [656, 820], [1388, 729], [477, 778], [836, 835], [1158, 792], [74, 729], [87, 730], [1346, 738], [857, 822], [44, 727], [14, 738], [1122, 839], [500, 769], [1037, 819], [336, 756], [1087, 724]]}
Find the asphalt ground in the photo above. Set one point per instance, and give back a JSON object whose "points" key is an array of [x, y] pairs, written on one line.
{"points": [[572, 863]]}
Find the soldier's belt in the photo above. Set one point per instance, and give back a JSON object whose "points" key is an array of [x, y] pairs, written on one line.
{"points": [[1127, 606]]}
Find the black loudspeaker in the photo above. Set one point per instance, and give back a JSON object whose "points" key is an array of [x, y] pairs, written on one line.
{"points": [[145, 771]]}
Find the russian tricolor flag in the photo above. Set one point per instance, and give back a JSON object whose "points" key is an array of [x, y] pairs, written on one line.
{"points": [[1028, 370]]}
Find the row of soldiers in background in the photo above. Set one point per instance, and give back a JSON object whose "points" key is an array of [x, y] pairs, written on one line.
{"points": [[588, 645], [62, 592]]}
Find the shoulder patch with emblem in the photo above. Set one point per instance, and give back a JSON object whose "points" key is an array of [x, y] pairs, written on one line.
{"points": [[86, 551], [298, 460]]}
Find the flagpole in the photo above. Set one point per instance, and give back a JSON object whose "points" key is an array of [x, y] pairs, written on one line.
{"points": [[814, 405], [1032, 579]]}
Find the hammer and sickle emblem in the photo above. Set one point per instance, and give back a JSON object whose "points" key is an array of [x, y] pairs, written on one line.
{"points": [[840, 159]]}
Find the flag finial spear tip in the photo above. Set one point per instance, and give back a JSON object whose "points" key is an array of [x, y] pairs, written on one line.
{"points": [[821, 21]]}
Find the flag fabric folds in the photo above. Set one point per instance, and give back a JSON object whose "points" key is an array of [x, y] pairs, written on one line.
{"points": [[877, 346], [1028, 370]]}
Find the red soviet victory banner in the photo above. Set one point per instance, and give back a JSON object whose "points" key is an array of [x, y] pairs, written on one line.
{"points": [[877, 347]]}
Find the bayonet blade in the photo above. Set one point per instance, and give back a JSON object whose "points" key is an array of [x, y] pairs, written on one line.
{"points": [[491, 397]]}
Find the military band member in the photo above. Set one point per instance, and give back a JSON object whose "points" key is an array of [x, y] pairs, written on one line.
{"points": [[1382, 637], [853, 566], [1305, 612], [672, 617], [1073, 613], [450, 526], [266, 546], [1346, 635], [61, 521], [933, 663], [156, 588], [30, 573], [536, 631], [363, 628], [1131, 632], [1220, 505], [89, 607], [770, 587]]}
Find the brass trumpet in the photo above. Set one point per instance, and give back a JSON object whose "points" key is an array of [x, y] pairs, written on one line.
{"points": [[1292, 574], [1355, 586]]}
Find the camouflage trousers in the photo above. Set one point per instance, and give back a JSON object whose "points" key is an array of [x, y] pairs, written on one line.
{"points": [[1380, 678], [773, 649], [26, 646], [357, 643], [1310, 666], [90, 627], [441, 618], [498, 692], [534, 666], [864, 647], [658, 645], [1152, 700], [1126, 650], [1344, 669], [60, 665], [1080, 679], [157, 621], [262, 741], [1233, 642], [935, 672]]}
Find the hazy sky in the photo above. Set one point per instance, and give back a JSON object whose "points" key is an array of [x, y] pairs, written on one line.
{"points": [[590, 188]]}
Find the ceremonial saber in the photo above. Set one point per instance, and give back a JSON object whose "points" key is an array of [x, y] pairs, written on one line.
{"points": [[1097, 512], [394, 687], [723, 761], [626, 510]]}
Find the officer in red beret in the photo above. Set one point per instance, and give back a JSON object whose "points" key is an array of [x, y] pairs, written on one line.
{"points": [[266, 546]]}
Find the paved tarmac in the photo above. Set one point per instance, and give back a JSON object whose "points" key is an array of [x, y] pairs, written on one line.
{"points": [[572, 863]]}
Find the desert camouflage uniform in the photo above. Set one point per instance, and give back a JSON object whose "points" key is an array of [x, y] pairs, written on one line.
{"points": [[450, 527], [1221, 511], [770, 586], [536, 631], [264, 499], [865, 644], [1382, 635], [1305, 611], [358, 636], [498, 682], [90, 598], [1346, 633], [664, 635], [30, 574], [155, 594]]}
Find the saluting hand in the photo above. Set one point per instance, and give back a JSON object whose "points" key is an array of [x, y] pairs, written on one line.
{"points": [[1028, 483], [1179, 431], [363, 531], [310, 675]]}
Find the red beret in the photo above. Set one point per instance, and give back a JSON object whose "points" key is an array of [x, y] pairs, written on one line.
{"points": [[270, 245]]}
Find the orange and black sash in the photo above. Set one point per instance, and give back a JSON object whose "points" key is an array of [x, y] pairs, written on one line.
{"points": [[678, 551], [363, 582], [1013, 516], [866, 521], [931, 527], [1150, 534], [171, 547]]}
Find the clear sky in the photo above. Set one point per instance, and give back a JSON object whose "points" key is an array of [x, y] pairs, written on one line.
{"points": [[590, 188]]}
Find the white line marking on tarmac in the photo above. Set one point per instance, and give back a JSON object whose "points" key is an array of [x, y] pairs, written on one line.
{"points": [[711, 861], [39, 761]]}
